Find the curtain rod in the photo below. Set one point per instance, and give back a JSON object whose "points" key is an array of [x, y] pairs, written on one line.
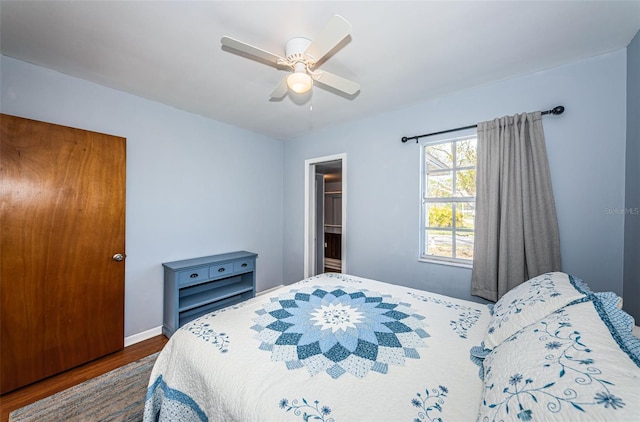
{"points": [[555, 111]]}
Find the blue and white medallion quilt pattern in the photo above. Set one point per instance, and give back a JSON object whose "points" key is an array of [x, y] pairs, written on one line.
{"points": [[338, 348], [329, 348], [339, 330]]}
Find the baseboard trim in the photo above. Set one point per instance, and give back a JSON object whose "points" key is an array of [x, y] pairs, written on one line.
{"points": [[145, 335]]}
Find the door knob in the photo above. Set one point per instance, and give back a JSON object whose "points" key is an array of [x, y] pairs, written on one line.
{"points": [[118, 257]]}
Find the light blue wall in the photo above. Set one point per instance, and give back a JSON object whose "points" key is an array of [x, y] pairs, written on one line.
{"points": [[180, 165], [194, 186], [586, 148], [632, 186]]}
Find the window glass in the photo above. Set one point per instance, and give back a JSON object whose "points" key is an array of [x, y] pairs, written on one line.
{"points": [[448, 200]]}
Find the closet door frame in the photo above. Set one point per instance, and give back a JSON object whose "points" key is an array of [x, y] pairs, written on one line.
{"points": [[310, 214]]}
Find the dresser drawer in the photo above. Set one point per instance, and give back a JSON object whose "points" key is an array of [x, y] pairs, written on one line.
{"points": [[220, 270], [193, 275], [194, 287], [242, 266]]}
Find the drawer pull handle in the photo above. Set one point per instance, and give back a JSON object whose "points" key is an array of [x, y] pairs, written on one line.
{"points": [[221, 270], [244, 264], [194, 275]]}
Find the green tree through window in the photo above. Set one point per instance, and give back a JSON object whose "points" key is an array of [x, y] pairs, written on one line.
{"points": [[448, 205]]}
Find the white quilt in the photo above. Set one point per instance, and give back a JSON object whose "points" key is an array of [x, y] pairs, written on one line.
{"points": [[328, 348]]}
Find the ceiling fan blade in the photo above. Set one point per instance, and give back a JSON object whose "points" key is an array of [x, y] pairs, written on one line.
{"points": [[337, 82], [280, 91], [266, 56], [335, 31]]}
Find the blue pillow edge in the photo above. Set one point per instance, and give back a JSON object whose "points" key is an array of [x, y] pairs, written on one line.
{"points": [[579, 285], [616, 319]]}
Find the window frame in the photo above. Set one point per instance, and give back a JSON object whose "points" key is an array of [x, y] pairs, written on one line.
{"points": [[423, 200]]}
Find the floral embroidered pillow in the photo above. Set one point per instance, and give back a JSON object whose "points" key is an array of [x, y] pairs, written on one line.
{"points": [[566, 367], [531, 301]]}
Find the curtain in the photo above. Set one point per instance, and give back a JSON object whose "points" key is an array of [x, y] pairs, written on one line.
{"points": [[516, 227]]}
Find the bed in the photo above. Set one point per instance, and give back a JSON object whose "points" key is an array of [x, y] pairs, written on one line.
{"points": [[337, 347]]}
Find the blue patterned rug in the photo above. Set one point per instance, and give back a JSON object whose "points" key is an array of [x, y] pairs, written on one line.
{"points": [[115, 396]]}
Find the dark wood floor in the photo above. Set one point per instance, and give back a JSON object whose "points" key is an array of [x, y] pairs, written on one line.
{"points": [[34, 392]]}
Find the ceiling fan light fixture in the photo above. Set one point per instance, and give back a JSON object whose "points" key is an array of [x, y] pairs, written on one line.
{"points": [[302, 56], [299, 82]]}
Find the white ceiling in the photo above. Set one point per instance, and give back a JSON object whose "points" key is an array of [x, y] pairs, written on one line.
{"points": [[401, 52]]}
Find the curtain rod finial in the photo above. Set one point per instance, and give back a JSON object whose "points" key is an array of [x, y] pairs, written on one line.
{"points": [[557, 110]]}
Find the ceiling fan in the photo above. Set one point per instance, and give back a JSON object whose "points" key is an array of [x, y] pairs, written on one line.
{"points": [[302, 56]]}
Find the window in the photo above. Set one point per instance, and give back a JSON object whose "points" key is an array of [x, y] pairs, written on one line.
{"points": [[448, 185]]}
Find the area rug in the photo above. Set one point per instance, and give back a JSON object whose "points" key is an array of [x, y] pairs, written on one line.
{"points": [[115, 396]]}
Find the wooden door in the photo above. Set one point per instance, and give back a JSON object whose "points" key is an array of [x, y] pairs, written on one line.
{"points": [[62, 219]]}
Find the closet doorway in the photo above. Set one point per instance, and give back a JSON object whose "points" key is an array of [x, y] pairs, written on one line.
{"points": [[325, 215]]}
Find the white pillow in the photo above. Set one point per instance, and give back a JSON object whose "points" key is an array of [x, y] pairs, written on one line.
{"points": [[566, 367], [531, 301]]}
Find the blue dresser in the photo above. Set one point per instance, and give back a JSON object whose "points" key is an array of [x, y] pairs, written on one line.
{"points": [[197, 286]]}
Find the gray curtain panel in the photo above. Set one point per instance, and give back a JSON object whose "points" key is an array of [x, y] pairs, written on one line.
{"points": [[516, 228]]}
